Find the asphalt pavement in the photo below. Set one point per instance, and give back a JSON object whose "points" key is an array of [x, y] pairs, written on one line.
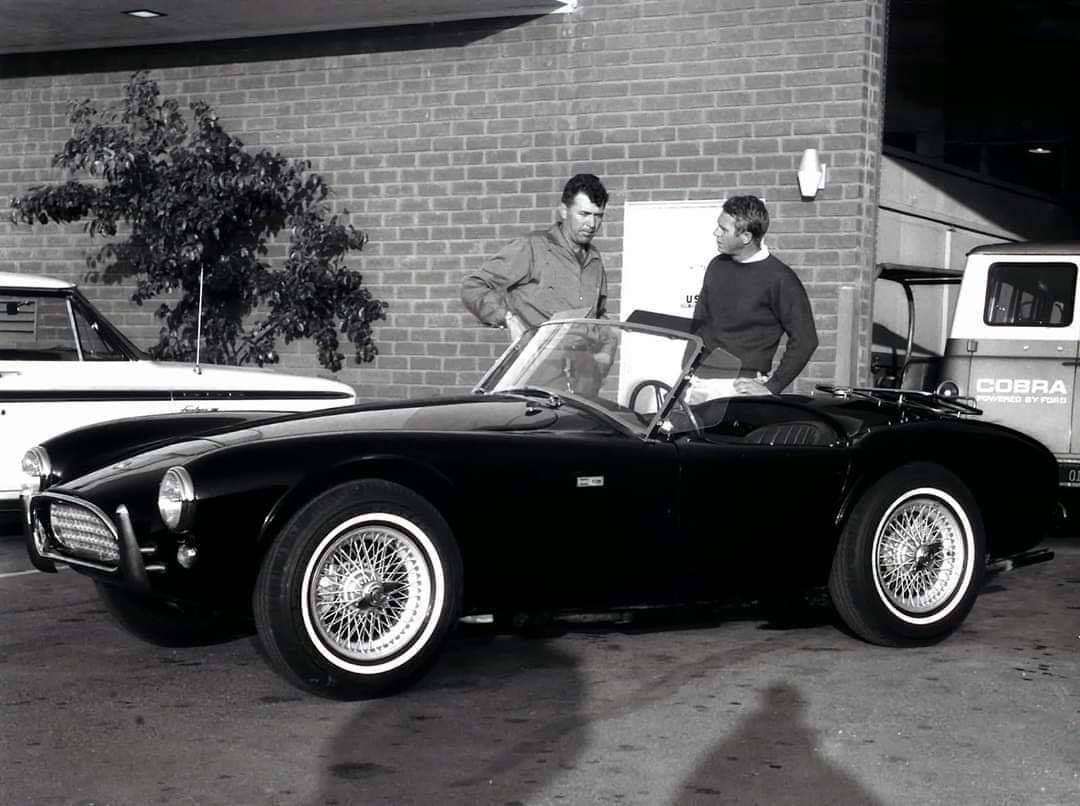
{"points": [[677, 708]]}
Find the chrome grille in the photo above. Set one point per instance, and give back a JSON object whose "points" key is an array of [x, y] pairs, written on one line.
{"points": [[83, 533]]}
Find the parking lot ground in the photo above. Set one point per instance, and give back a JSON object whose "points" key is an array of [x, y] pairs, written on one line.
{"points": [[676, 709]]}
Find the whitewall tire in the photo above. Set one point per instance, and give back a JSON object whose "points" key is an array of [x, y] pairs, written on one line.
{"points": [[357, 594]]}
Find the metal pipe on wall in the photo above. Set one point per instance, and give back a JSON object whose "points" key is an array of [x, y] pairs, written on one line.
{"points": [[845, 337]]}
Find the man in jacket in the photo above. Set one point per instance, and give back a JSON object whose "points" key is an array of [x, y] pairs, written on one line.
{"points": [[551, 271]]}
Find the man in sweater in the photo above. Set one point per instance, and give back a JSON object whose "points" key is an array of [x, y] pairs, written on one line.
{"points": [[748, 300]]}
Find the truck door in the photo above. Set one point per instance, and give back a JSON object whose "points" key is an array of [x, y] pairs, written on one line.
{"points": [[1021, 346]]}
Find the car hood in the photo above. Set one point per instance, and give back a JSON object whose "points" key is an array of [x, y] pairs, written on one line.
{"points": [[470, 413]]}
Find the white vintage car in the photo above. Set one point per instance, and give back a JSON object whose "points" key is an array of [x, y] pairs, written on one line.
{"points": [[64, 365]]}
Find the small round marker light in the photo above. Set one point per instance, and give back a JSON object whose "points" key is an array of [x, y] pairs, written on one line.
{"points": [[948, 389], [186, 555]]}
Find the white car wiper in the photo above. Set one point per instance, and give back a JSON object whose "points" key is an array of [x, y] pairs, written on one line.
{"points": [[550, 399]]}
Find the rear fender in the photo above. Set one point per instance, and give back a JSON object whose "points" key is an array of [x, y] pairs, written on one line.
{"points": [[877, 454], [987, 463]]}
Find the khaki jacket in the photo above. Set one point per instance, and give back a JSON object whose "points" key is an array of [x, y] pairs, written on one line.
{"points": [[536, 276]]}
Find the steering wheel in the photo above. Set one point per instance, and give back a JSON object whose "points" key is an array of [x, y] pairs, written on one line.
{"points": [[659, 390]]}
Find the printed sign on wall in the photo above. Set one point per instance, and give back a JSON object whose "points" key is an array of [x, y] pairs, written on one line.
{"points": [[666, 247]]}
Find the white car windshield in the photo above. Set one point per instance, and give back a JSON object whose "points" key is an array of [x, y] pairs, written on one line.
{"points": [[625, 371]]}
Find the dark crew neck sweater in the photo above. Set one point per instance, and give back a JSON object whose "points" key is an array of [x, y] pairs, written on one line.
{"points": [[745, 308]]}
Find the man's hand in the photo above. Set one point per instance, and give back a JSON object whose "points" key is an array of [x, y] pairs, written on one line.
{"points": [[515, 325], [752, 386], [603, 360]]}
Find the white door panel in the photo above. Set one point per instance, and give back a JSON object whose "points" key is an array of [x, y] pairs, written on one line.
{"points": [[40, 399]]}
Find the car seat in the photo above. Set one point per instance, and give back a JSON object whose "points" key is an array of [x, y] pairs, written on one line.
{"points": [[793, 432]]}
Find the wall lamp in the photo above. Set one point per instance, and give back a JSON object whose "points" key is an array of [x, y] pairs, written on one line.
{"points": [[811, 174]]}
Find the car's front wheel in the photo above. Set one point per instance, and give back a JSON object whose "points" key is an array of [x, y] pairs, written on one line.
{"points": [[910, 559], [357, 594]]}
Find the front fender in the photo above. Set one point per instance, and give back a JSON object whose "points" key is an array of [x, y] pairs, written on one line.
{"points": [[81, 450], [407, 471]]}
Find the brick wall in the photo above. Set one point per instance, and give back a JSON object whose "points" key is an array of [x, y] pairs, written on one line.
{"points": [[444, 141]]}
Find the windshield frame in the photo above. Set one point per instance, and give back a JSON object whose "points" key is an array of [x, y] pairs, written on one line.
{"points": [[690, 362]]}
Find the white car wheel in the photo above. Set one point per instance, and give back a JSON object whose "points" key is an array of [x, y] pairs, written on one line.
{"points": [[922, 555], [910, 558], [358, 592], [369, 592]]}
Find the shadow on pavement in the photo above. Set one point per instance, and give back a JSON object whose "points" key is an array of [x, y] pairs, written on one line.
{"points": [[10, 526], [463, 735], [501, 718], [772, 758]]}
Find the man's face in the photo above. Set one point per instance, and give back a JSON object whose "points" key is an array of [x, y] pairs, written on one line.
{"points": [[580, 219], [728, 240]]}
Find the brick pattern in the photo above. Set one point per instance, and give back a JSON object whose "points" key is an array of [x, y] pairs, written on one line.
{"points": [[445, 141]]}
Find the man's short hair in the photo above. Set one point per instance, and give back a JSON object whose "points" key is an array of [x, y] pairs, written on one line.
{"points": [[588, 184], [750, 215]]}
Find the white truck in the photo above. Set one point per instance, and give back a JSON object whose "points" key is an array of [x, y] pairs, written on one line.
{"points": [[1013, 349]]}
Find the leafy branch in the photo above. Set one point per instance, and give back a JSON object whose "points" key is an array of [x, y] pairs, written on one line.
{"points": [[191, 201]]}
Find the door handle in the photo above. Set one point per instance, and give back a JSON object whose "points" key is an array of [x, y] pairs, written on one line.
{"points": [[1072, 362]]}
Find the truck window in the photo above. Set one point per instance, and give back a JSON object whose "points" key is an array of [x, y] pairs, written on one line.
{"points": [[1030, 294]]}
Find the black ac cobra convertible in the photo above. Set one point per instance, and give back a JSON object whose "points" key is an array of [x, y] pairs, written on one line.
{"points": [[356, 537]]}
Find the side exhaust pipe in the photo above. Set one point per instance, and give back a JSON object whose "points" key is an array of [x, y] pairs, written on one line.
{"points": [[1030, 557]]}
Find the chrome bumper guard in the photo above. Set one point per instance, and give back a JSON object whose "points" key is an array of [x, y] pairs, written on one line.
{"points": [[46, 547]]}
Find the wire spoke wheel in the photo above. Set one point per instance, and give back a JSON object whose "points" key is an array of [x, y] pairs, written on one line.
{"points": [[371, 591], [910, 559], [359, 590], [920, 554]]}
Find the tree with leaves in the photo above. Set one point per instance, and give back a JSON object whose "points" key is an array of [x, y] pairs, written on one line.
{"points": [[197, 209]]}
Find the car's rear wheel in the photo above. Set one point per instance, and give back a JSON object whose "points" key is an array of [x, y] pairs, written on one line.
{"points": [[357, 594], [910, 559], [167, 623]]}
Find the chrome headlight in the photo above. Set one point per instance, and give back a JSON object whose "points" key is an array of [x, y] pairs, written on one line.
{"points": [[37, 468], [176, 499]]}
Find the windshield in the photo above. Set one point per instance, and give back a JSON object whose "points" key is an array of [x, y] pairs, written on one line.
{"points": [[626, 371]]}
